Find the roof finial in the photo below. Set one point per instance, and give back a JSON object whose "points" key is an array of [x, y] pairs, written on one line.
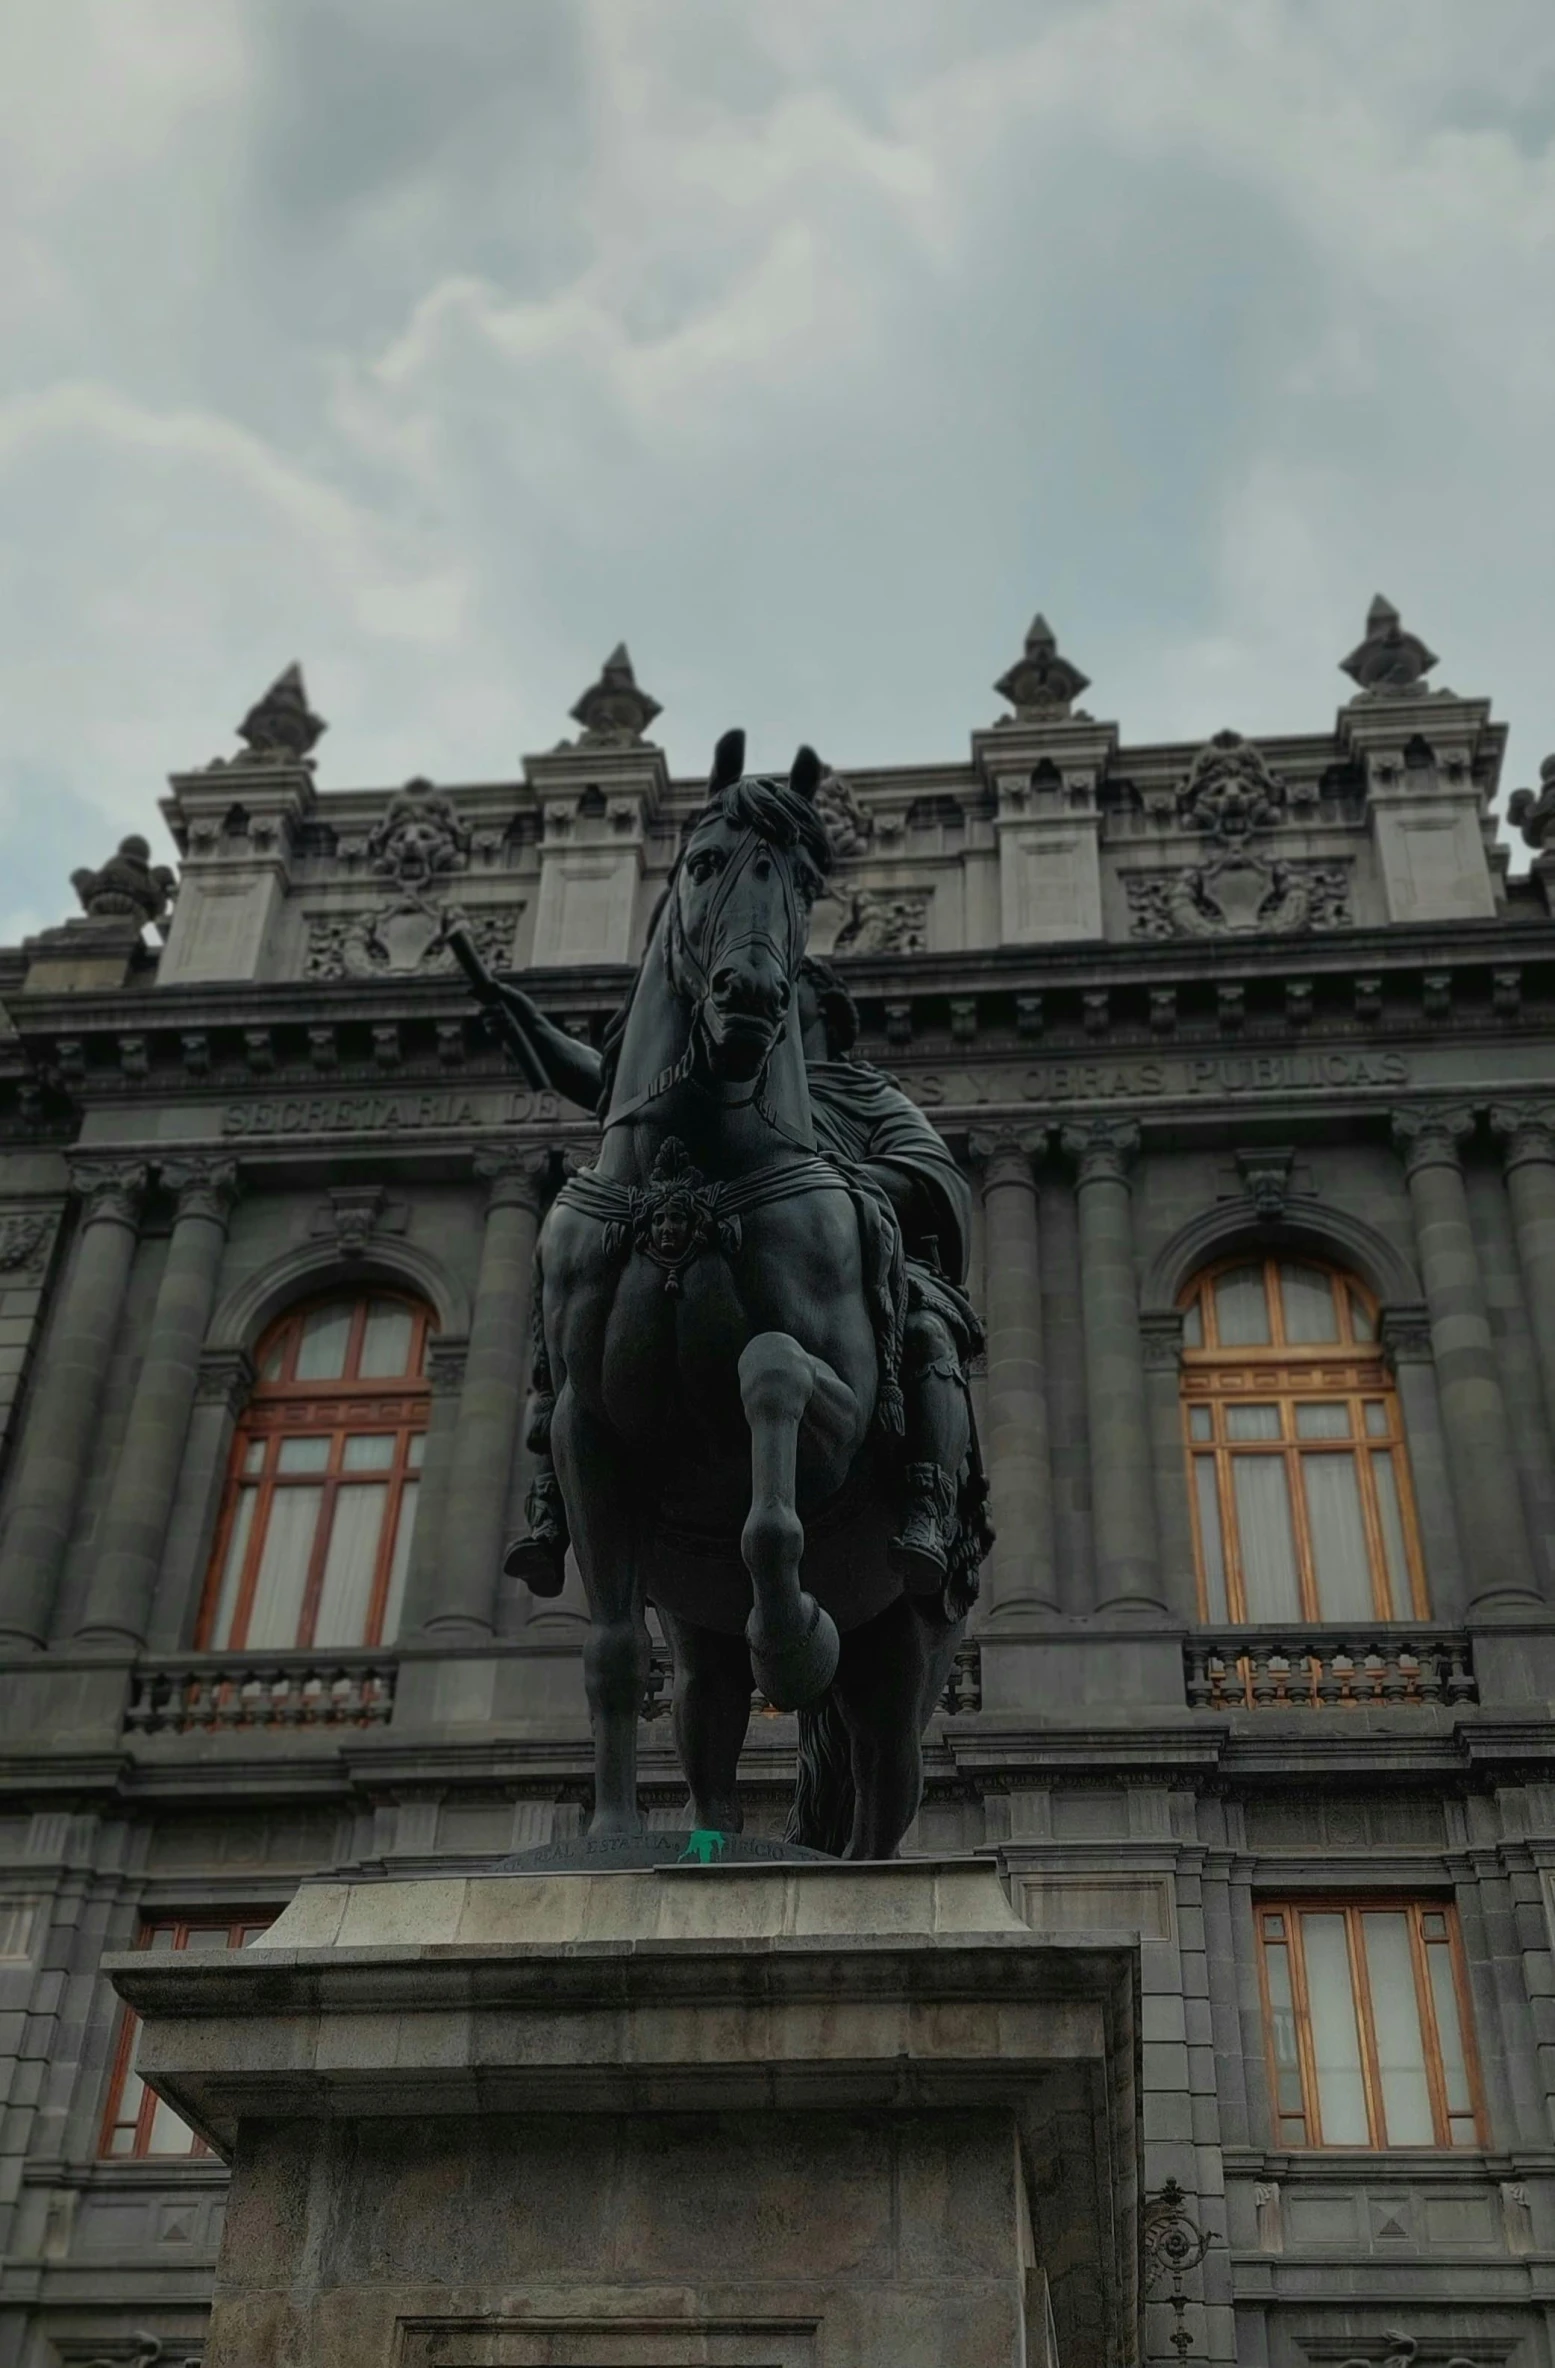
{"points": [[1041, 686], [614, 712], [281, 725], [1389, 663]]}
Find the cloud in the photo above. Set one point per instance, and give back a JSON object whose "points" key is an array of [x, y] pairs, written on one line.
{"points": [[811, 348]]}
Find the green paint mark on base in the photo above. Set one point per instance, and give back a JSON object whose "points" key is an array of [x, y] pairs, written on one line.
{"points": [[706, 1846]]}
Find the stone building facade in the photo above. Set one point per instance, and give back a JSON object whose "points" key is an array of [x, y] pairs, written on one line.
{"points": [[1250, 1050]]}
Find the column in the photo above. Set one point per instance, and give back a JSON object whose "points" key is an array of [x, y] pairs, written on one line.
{"points": [[1406, 1335], [1021, 1567], [140, 1502], [1526, 1134], [474, 1524], [446, 1355], [61, 1421], [1479, 1452], [1122, 1489]]}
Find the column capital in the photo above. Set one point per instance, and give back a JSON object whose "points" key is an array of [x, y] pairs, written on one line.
{"points": [[1103, 1149], [1005, 1154], [517, 1174], [202, 1187], [1160, 1340], [1525, 1132], [1430, 1135], [446, 1355], [110, 1189], [226, 1376], [1406, 1334]]}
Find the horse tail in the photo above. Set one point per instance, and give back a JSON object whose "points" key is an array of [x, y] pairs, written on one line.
{"points": [[822, 1814]]}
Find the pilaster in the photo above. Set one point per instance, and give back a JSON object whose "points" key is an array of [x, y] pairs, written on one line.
{"points": [[1425, 756]]}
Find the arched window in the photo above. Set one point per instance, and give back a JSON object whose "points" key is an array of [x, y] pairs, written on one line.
{"points": [[1296, 1462], [315, 1532]]}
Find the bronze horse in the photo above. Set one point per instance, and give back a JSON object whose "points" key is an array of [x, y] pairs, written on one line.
{"points": [[720, 1321]]}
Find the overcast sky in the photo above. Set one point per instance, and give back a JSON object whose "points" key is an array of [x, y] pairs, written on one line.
{"points": [[810, 345]]}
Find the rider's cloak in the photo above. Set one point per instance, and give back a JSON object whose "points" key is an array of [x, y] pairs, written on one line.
{"points": [[863, 1117]]}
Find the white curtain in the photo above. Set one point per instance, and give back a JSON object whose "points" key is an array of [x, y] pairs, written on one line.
{"points": [[1338, 1533], [1269, 1578], [1395, 2015], [1336, 2039], [350, 1562]]}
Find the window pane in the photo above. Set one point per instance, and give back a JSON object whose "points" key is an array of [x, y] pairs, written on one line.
{"points": [[1376, 1419], [415, 1450], [303, 1455], [270, 1370], [403, 1538], [1282, 2009], [386, 1340], [1361, 1325], [1395, 2015], [1216, 1607], [283, 1568], [321, 1352], [1193, 1325], [1267, 1547], [1340, 1561], [1252, 1422], [208, 1939], [368, 1455], [1392, 1524], [1449, 2036], [1200, 1423], [1241, 1309], [1336, 2040], [169, 2134], [254, 1456], [1323, 1422], [232, 1569], [352, 1558], [1307, 1301]]}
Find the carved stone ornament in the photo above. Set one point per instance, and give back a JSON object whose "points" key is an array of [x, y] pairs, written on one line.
{"points": [[848, 828], [1229, 790], [281, 727], [419, 839], [1389, 663], [614, 712], [24, 1241], [1394, 2349], [1525, 1131], [112, 1189], [1174, 2245], [1103, 1149], [202, 1187], [353, 1214], [1533, 812], [1238, 894], [517, 1174], [884, 921], [130, 887], [1266, 1179], [408, 935], [1432, 1136], [1041, 686]]}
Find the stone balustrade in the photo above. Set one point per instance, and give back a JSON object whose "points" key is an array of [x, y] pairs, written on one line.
{"points": [[1384, 1667], [219, 1693]]}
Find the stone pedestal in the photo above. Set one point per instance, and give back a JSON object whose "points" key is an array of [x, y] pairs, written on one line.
{"points": [[764, 2116]]}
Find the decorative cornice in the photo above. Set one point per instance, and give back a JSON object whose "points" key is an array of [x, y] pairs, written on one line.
{"points": [[1430, 1137], [1103, 1149], [202, 1187], [111, 1190]]}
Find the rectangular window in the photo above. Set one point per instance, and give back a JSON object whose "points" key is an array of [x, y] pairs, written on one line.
{"points": [[137, 2122], [1367, 2025]]}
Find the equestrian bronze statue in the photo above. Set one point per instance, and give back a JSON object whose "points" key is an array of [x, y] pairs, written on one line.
{"points": [[750, 1401]]}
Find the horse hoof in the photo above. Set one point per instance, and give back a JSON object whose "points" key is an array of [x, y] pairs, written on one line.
{"points": [[795, 1673]]}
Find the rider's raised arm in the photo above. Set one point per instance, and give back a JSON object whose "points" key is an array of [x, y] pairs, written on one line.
{"points": [[571, 1068]]}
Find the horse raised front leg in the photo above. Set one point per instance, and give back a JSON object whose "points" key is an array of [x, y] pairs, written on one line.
{"points": [[600, 1498], [793, 1642]]}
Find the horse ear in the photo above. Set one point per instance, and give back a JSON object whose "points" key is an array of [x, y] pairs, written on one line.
{"points": [[728, 762], [805, 773]]}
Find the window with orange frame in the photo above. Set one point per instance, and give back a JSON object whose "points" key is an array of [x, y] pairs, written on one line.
{"points": [[137, 2122], [318, 1518]]}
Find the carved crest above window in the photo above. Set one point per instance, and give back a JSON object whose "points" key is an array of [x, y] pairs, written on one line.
{"points": [[884, 921], [1236, 894], [405, 937]]}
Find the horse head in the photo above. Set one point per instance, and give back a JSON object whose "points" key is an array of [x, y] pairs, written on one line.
{"points": [[754, 861]]}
